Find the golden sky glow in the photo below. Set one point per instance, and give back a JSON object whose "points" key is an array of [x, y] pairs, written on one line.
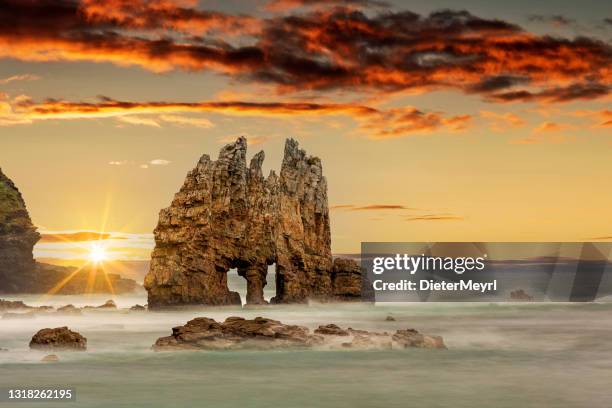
{"points": [[488, 123]]}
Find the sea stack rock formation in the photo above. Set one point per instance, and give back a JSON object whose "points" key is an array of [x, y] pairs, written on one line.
{"points": [[228, 215], [17, 238]]}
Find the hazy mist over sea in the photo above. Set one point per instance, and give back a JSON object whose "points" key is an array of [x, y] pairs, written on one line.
{"points": [[499, 355]]}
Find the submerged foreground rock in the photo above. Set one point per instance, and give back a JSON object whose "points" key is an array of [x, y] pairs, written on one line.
{"points": [[236, 333], [228, 215], [60, 338]]}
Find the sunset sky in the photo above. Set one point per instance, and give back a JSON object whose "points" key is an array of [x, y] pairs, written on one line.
{"points": [[434, 120]]}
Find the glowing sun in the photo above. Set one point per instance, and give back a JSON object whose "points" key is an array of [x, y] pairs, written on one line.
{"points": [[97, 254]]}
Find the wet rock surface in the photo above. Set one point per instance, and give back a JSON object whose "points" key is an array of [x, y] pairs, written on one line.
{"points": [[261, 333], [228, 215], [235, 333], [331, 329], [60, 338]]}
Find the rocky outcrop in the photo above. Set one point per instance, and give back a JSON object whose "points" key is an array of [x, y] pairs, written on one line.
{"points": [[13, 305], [331, 329], [348, 282], [60, 338], [17, 238], [87, 279], [68, 310], [412, 338], [108, 305], [235, 333], [228, 215], [520, 295], [19, 306], [204, 333]]}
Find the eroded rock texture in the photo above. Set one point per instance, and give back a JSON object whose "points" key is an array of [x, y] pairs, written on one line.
{"points": [[60, 338], [17, 238], [261, 333], [228, 215]]}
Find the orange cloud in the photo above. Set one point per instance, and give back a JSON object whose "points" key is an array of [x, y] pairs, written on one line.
{"points": [[373, 123], [435, 217], [74, 236], [370, 207], [22, 77], [603, 118], [374, 51], [400, 122], [547, 127], [501, 121], [173, 15]]}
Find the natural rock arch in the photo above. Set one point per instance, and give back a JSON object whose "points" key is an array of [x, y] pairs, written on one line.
{"points": [[227, 215]]}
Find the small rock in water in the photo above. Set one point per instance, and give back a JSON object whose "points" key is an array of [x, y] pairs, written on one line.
{"points": [[331, 330], [69, 309], [138, 308], [520, 295], [13, 305], [3, 350], [109, 304], [412, 338], [60, 338], [50, 358], [390, 318]]}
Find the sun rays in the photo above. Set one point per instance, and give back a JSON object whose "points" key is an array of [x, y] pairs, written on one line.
{"points": [[97, 256]]}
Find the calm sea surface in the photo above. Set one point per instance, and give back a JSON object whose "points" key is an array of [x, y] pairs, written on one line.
{"points": [[500, 355]]}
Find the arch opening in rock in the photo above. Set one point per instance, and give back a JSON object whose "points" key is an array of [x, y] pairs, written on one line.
{"points": [[228, 215]]}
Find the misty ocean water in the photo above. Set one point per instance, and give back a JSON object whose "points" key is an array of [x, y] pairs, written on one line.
{"points": [[499, 355]]}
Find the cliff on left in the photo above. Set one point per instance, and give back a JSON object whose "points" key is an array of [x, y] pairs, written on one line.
{"points": [[20, 273]]}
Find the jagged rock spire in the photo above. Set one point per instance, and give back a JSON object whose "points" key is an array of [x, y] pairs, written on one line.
{"points": [[229, 216]]}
